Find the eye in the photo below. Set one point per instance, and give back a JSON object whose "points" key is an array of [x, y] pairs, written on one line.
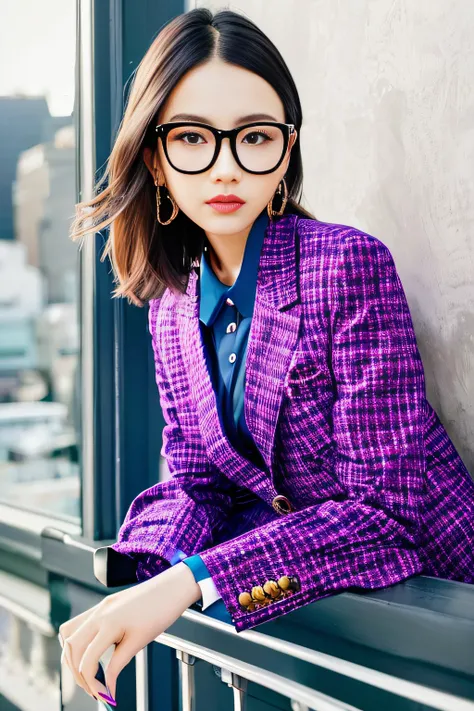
{"points": [[256, 135], [193, 142]]}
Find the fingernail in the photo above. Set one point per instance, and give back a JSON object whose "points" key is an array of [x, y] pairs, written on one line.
{"points": [[108, 698]]}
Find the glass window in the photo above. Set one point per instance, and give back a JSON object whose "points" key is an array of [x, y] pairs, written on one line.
{"points": [[39, 264]]}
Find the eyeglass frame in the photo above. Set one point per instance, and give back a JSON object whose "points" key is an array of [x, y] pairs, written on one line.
{"points": [[287, 129]]}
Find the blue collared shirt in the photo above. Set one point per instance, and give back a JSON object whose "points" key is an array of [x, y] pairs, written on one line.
{"points": [[225, 317], [225, 314]]}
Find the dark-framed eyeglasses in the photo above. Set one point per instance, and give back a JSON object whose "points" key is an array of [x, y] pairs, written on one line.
{"points": [[191, 147]]}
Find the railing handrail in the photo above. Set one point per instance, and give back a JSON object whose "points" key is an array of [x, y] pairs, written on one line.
{"points": [[286, 687], [395, 685], [411, 639]]}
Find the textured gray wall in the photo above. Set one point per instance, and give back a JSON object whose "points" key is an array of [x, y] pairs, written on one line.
{"points": [[388, 146]]}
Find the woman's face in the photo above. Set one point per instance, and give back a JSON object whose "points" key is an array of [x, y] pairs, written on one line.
{"points": [[224, 96]]}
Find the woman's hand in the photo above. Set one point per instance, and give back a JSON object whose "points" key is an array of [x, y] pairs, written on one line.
{"points": [[129, 619]]}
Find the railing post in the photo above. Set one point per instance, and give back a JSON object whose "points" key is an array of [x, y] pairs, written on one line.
{"points": [[239, 687], [141, 679], [186, 680], [297, 706]]}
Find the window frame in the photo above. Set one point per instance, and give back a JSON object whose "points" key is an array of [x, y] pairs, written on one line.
{"points": [[119, 456]]}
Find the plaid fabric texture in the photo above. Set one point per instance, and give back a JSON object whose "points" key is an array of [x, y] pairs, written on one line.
{"points": [[335, 400]]}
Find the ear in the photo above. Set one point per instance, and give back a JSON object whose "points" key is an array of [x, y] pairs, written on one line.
{"points": [[290, 146], [149, 158], [293, 138]]}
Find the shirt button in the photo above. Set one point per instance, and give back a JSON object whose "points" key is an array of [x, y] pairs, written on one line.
{"points": [[231, 327], [229, 302], [232, 358]]}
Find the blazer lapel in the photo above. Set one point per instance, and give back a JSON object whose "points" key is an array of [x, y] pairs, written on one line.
{"points": [[272, 341], [273, 333]]}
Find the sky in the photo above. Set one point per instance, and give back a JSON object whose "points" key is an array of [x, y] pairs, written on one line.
{"points": [[37, 49]]}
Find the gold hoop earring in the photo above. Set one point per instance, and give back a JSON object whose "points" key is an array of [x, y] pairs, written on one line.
{"points": [[158, 203], [284, 200]]}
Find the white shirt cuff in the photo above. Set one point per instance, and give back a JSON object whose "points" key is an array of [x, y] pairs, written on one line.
{"points": [[209, 592]]}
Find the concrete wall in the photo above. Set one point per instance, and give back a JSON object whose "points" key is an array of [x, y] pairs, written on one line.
{"points": [[388, 144]]}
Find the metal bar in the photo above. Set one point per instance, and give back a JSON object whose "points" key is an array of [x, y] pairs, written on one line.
{"points": [[286, 687], [34, 522], [186, 680], [35, 621], [395, 685], [240, 699], [141, 679], [87, 260], [296, 706], [239, 687]]}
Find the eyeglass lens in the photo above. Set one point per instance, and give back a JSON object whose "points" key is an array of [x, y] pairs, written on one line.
{"points": [[192, 147]]}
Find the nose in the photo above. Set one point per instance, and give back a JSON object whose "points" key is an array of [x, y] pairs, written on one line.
{"points": [[225, 167]]}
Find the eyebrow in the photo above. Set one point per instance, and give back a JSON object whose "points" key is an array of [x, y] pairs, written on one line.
{"points": [[249, 118]]}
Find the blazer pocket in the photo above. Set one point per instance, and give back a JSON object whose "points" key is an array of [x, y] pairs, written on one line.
{"points": [[305, 375]]}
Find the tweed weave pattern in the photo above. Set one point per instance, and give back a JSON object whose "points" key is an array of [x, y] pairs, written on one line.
{"points": [[335, 400]]}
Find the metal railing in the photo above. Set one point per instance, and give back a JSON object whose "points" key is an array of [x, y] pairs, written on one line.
{"points": [[237, 673], [405, 647], [25, 647]]}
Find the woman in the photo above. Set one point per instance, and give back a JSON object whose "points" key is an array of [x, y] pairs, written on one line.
{"points": [[324, 468]]}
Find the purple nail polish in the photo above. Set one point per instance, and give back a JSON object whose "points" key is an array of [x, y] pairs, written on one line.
{"points": [[108, 698]]}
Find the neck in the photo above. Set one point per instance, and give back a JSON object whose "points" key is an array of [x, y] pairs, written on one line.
{"points": [[226, 253]]}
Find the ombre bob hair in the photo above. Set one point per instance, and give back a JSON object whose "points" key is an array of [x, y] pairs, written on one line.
{"points": [[146, 256]]}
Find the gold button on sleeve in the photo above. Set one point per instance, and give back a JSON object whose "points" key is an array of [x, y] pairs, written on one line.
{"points": [[258, 593], [245, 599], [284, 582], [271, 588]]}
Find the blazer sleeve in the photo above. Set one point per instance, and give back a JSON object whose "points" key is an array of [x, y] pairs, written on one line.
{"points": [[182, 515], [373, 536]]}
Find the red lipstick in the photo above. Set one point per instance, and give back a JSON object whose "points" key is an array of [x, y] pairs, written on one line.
{"points": [[225, 203]]}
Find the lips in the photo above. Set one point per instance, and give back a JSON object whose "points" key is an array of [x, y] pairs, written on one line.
{"points": [[226, 198], [225, 207]]}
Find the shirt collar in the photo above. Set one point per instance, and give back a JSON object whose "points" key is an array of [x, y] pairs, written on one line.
{"points": [[242, 292]]}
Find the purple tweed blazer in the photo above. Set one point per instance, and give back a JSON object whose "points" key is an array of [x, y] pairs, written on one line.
{"points": [[335, 400]]}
